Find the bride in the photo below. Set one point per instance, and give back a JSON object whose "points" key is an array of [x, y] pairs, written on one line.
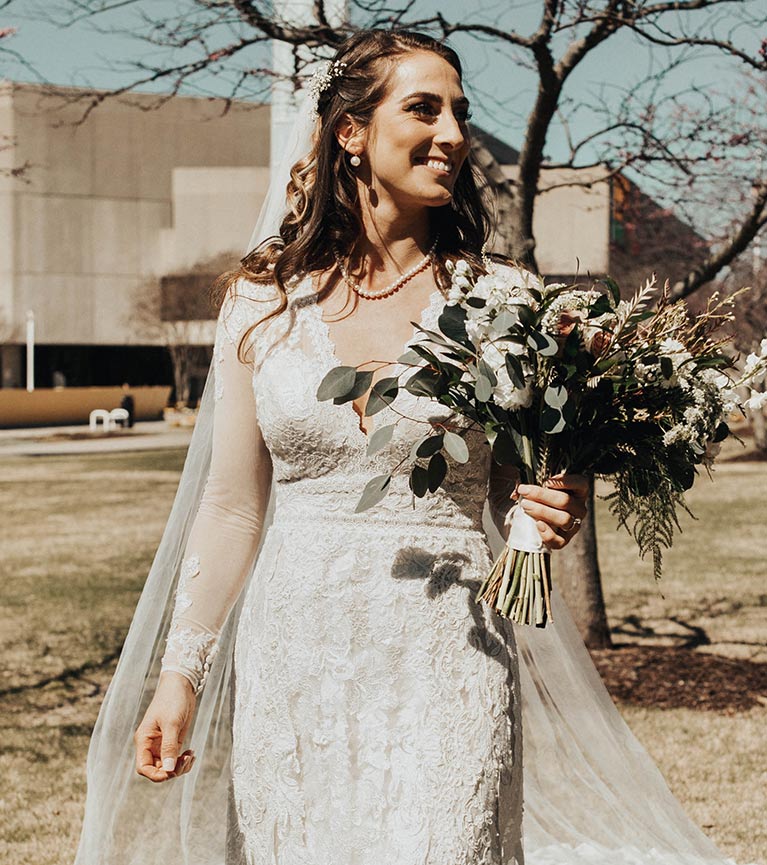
{"points": [[354, 704]]}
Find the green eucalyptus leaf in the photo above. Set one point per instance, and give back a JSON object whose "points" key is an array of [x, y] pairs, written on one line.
{"points": [[452, 323], [380, 438], [382, 393], [504, 321], [410, 356], [571, 370], [419, 481], [483, 389], [666, 366], [456, 447], [361, 385], [414, 449], [573, 344], [542, 343], [429, 445], [337, 382], [476, 302], [600, 306], [425, 382], [552, 420], [505, 451], [426, 353], [374, 491], [721, 432], [436, 471], [526, 315], [487, 371], [612, 287], [437, 337], [515, 370]]}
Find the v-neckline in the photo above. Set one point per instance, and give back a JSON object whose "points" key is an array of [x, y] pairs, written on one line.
{"points": [[331, 349]]}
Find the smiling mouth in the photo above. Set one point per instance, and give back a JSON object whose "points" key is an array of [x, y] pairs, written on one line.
{"points": [[444, 166]]}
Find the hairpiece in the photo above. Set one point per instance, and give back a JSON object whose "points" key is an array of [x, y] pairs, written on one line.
{"points": [[322, 79]]}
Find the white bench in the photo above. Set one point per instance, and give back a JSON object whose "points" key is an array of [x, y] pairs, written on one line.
{"points": [[109, 419]]}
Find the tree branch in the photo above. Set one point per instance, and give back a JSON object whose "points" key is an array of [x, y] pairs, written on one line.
{"points": [[737, 243]]}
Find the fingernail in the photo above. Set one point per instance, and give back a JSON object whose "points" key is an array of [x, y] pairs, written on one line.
{"points": [[169, 764], [523, 488]]}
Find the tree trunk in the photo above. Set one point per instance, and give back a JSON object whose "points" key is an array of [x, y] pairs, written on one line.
{"points": [[179, 356], [578, 579]]}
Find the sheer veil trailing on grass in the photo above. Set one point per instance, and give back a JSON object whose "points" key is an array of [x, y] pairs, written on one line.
{"points": [[592, 794]]}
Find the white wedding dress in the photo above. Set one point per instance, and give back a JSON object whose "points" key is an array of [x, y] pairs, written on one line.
{"points": [[376, 713], [358, 708]]}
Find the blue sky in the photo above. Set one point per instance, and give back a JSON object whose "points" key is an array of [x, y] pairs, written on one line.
{"points": [[501, 91]]}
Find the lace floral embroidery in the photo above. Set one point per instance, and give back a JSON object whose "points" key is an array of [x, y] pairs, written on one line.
{"points": [[189, 570], [190, 652]]}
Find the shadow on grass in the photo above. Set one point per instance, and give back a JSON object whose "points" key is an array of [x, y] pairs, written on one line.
{"points": [[65, 677], [672, 677]]}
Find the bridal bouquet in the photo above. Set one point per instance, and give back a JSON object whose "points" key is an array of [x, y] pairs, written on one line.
{"points": [[562, 378]]}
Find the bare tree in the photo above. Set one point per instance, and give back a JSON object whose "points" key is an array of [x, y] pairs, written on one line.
{"points": [[10, 60], [177, 312], [675, 143]]}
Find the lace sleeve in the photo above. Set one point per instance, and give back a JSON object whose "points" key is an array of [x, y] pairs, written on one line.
{"points": [[227, 527]]}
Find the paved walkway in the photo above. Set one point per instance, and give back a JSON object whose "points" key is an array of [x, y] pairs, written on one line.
{"points": [[61, 440]]}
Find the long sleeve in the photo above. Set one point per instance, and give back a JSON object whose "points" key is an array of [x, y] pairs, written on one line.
{"points": [[227, 527]]}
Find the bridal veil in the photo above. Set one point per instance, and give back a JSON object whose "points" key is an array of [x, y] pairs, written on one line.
{"points": [[592, 794]]}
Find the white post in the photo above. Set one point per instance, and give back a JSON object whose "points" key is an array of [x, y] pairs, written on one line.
{"points": [[30, 350], [284, 101]]}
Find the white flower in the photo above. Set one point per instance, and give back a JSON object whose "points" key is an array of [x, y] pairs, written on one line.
{"points": [[752, 363], [574, 303], [757, 401], [675, 351], [671, 346], [494, 353], [507, 395], [455, 295], [462, 267]]}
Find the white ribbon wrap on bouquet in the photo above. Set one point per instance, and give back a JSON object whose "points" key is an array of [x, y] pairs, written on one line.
{"points": [[523, 533]]}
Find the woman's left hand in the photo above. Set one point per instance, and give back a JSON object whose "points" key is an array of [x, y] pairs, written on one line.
{"points": [[558, 507]]}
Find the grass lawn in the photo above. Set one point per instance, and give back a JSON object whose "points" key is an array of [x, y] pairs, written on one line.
{"points": [[79, 534]]}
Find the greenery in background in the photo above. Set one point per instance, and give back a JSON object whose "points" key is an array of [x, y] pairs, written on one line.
{"points": [[78, 537]]}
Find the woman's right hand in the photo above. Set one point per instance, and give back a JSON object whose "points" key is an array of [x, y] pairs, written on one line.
{"points": [[161, 733]]}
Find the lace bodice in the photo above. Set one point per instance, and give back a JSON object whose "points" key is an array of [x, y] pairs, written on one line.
{"points": [[269, 426]]}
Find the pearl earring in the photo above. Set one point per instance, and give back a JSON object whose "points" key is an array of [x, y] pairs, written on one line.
{"points": [[355, 161]]}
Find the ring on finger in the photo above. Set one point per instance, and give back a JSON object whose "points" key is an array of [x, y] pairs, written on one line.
{"points": [[574, 523]]}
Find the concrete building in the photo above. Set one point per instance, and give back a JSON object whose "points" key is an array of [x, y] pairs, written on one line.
{"points": [[111, 211], [104, 209]]}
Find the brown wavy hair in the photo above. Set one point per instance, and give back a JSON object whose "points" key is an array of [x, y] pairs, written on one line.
{"points": [[323, 209]]}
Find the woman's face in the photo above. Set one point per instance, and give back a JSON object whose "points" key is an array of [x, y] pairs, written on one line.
{"points": [[418, 138]]}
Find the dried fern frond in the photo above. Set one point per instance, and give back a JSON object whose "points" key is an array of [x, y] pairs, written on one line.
{"points": [[637, 303]]}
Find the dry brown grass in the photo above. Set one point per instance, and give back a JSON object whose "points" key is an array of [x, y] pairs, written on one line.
{"points": [[78, 536]]}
